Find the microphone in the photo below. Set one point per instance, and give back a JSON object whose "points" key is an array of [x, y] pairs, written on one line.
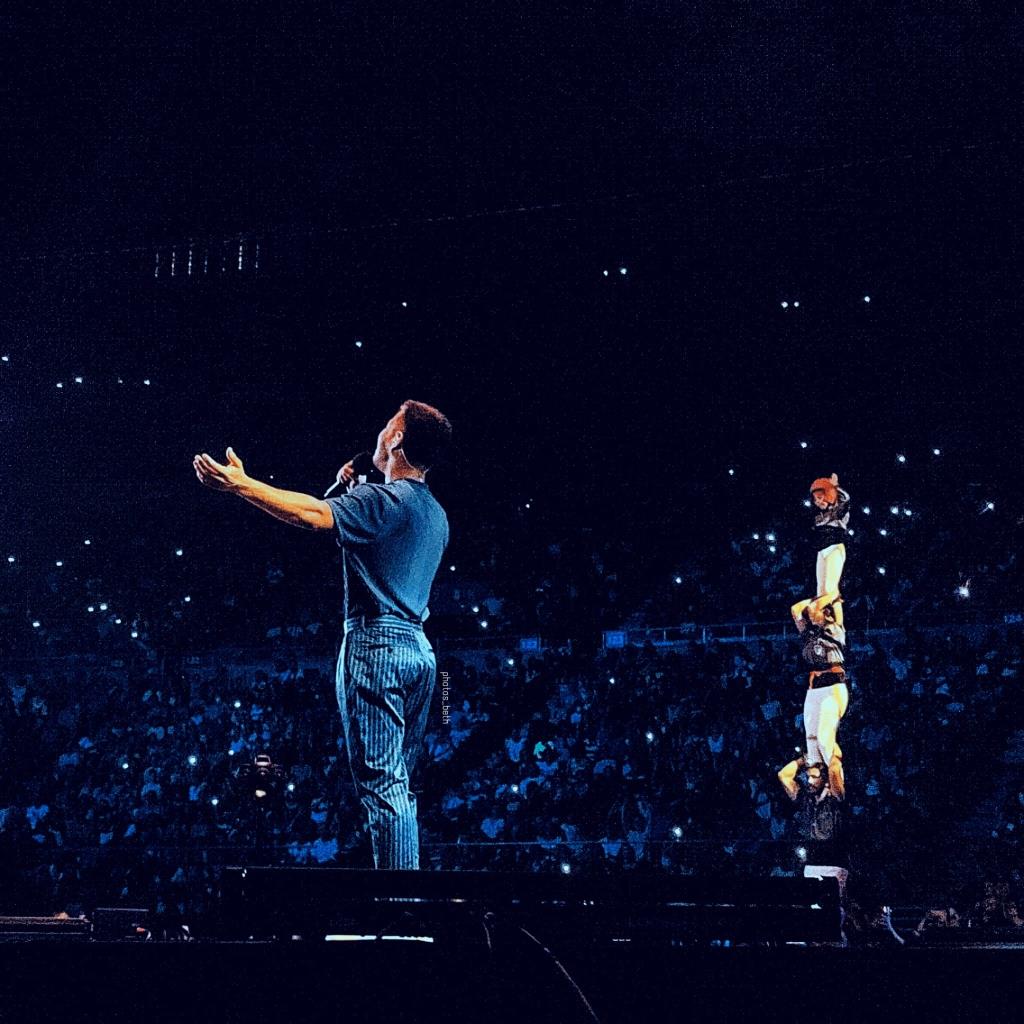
{"points": [[360, 477]]}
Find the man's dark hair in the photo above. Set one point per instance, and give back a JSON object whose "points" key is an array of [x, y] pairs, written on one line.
{"points": [[427, 435]]}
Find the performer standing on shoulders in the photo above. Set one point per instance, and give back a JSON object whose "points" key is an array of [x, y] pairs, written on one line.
{"points": [[831, 535], [392, 537], [826, 701]]}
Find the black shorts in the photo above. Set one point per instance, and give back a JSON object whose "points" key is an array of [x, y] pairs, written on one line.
{"points": [[826, 536]]}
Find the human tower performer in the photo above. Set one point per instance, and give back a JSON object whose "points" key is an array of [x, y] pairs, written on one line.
{"points": [[819, 620]]}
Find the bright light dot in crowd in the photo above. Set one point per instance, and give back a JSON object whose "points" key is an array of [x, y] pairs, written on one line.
{"points": [[807, 502], [135, 635], [291, 787], [238, 703], [103, 607], [10, 558], [936, 451], [867, 298], [881, 570], [851, 532], [566, 868], [756, 536], [78, 380], [894, 510], [117, 622], [769, 537], [483, 623], [359, 344], [124, 765], [59, 562], [901, 458], [451, 568], [6, 359], [801, 852], [866, 510], [649, 736], [35, 623], [884, 532], [476, 608], [679, 579], [231, 751], [215, 801], [120, 380], [59, 384], [772, 548], [510, 661], [963, 590], [989, 506], [146, 381], [91, 608], [188, 598], [622, 270], [515, 787], [732, 472], [179, 552], [785, 305], [193, 760], [796, 305], [87, 542], [677, 832], [527, 504], [405, 305], [907, 512], [605, 272], [803, 444]]}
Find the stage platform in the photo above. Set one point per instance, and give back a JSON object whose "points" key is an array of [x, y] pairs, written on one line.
{"points": [[410, 981]]}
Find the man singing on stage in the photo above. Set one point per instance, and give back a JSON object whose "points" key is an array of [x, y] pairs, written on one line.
{"points": [[392, 537]]}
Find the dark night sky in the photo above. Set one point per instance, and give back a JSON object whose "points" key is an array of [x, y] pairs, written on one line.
{"points": [[485, 167]]}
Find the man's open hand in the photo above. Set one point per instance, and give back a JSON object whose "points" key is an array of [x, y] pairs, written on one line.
{"points": [[221, 478]]}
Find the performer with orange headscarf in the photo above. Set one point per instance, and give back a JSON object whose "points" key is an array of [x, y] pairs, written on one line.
{"points": [[831, 533]]}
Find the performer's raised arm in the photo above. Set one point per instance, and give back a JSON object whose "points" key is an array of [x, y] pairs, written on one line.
{"points": [[292, 507]]}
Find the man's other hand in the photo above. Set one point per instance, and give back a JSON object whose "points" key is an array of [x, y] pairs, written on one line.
{"points": [[221, 478]]}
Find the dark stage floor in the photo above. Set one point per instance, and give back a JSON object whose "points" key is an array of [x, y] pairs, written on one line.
{"points": [[415, 981]]}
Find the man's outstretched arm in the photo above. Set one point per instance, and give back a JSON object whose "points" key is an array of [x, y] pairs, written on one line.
{"points": [[292, 507]]}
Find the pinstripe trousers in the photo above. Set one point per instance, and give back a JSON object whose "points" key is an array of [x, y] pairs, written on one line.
{"points": [[385, 679]]}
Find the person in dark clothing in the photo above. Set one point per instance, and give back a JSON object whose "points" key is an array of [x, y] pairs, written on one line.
{"points": [[392, 536]]}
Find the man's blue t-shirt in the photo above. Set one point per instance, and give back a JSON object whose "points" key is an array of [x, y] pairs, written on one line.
{"points": [[392, 537]]}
